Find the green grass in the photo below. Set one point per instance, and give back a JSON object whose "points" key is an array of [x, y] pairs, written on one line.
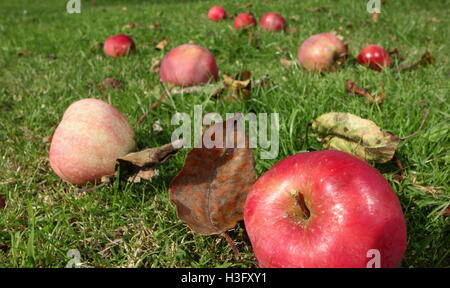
{"points": [[135, 224]]}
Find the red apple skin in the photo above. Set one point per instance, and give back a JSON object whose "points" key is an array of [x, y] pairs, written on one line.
{"points": [[90, 137], [320, 52], [188, 65], [353, 209], [217, 13], [272, 22], [118, 45], [374, 56], [244, 20]]}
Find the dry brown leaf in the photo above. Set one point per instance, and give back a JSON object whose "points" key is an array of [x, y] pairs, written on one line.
{"points": [[130, 26], [24, 53], [2, 201], [154, 26], [162, 44], [286, 62], [375, 17], [295, 17], [47, 139], [378, 98], [109, 83], [239, 86], [292, 30], [210, 191], [155, 66], [426, 59], [355, 135], [141, 165]]}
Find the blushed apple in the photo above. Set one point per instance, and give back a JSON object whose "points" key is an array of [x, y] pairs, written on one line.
{"points": [[272, 22], [217, 13], [90, 137], [374, 56], [322, 51], [244, 20], [188, 65], [118, 45], [324, 209]]}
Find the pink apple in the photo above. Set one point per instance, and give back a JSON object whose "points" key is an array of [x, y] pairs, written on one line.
{"points": [[324, 209], [374, 56], [244, 20], [217, 13], [272, 22], [118, 45], [322, 51], [188, 65], [90, 137]]}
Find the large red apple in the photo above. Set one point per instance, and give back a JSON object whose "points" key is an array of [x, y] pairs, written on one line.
{"points": [[217, 13], [374, 56], [90, 137], [324, 209], [118, 45], [322, 51], [272, 22], [244, 20], [188, 65]]}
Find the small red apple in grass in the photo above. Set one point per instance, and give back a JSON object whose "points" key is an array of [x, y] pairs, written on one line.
{"points": [[374, 56], [244, 20], [217, 13], [188, 65], [322, 51], [324, 209], [90, 137], [118, 45], [272, 22]]}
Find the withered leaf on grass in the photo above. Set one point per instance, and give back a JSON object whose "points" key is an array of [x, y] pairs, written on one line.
{"points": [[2, 201], [141, 165], [370, 98], [130, 25], [154, 26], [238, 85], [210, 191], [155, 66], [162, 44], [109, 83], [286, 62], [355, 135]]}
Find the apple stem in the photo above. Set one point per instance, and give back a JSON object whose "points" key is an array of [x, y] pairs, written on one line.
{"points": [[301, 202], [232, 245]]}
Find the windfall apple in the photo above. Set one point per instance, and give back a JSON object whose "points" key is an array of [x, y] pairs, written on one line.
{"points": [[118, 46], [374, 56], [90, 137], [217, 13], [188, 65], [244, 20], [324, 209], [321, 52], [272, 22]]}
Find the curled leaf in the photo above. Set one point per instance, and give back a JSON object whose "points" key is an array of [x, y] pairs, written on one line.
{"points": [[352, 88], [162, 44], [210, 191], [355, 135], [130, 26], [141, 165]]}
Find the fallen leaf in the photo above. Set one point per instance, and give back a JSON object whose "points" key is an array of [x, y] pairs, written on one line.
{"points": [[286, 62], [292, 30], [96, 45], [47, 139], [433, 20], [427, 189], [239, 87], [154, 26], [2, 201], [109, 83], [446, 212], [155, 66], [360, 137], [157, 128], [378, 98], [375, 17], [130, 26], [426, 59], [162, 44], [295, 17], [124, 8], [24, 53], [210, 192], [141, 165]]}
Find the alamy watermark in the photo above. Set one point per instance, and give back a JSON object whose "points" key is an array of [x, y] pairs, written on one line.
{"points": [[73, 6], [374, 6]]}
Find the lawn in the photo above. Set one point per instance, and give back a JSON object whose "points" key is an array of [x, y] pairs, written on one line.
{"points": [[48, 61]]}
